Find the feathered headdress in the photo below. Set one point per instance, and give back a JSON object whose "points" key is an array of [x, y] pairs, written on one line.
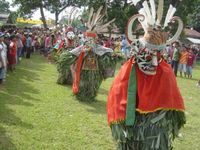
{"points": [[150, 18], [96, 22], [72, 15]]}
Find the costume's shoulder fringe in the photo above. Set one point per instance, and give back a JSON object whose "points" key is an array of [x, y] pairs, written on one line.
{"points": [[151, 131]]}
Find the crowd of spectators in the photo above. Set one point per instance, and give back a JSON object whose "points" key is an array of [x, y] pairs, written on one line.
{"points": [[182, 58], [16, 44]]}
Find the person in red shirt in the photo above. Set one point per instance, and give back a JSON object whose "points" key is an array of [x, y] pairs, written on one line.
{"points": [[190, 63], [12, 53]]}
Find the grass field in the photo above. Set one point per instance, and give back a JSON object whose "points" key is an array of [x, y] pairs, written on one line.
{"points": [[38, 114]]}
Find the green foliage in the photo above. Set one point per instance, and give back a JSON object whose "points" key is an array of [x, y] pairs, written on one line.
{"points": [[4, 5], [151, 131], [121, 12], [64, 61], [28, 7], [194, 17], [58, 6], [12, 17]]}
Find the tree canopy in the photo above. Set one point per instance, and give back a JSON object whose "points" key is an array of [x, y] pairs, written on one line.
{"points": [[122, 10], [4, 5]]}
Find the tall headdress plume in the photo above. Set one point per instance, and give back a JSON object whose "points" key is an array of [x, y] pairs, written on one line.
{"points": [[96, 21], [151, 19], [72, 16]]}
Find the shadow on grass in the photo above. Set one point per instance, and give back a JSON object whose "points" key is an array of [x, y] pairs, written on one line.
{"points": [[98, 107], [17, 91], [5, 141], [186, 79]]}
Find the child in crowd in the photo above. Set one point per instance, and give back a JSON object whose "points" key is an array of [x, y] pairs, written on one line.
{"points": [[183, 62], [190, 63]]}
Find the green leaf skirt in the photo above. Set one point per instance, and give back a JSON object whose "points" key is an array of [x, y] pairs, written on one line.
{"points": [[152, 131]]}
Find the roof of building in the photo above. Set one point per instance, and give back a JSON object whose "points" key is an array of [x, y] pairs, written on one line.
{"points": [[192, 33]]}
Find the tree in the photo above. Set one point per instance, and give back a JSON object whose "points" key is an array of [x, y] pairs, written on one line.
{"points": [[194, 17], [122, 11], [195, 22], [57, 6], [12, 17], [4, 5]]}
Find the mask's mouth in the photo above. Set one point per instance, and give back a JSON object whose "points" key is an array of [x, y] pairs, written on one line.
{"points": [[150, 68]]}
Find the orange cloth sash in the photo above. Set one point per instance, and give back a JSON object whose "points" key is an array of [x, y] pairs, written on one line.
{"points": [[77, 75]]}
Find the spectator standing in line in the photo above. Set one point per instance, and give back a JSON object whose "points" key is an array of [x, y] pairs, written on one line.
{"points": [[195, 52], [28, 45], [36, 44], [23, 38], [12, 53], [47, 44], [7, 42], [190, 63], [19, 48], [169, 51], [183, 62], [3, 59], [124, 48], [117, 46], [53, 41], [175, 57]]}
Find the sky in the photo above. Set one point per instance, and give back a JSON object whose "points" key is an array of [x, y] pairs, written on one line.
{"points": [[37, 14]]}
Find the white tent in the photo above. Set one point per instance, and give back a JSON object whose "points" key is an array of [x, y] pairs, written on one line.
{"points": [[3, 18]]}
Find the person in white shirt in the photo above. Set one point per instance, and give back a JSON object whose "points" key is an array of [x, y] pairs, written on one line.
{"points": [[3, 58]]}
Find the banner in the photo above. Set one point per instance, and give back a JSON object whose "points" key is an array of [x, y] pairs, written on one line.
{"points": [[31, 21]]}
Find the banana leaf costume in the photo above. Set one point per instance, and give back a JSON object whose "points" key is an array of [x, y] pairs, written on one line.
{"points": [[145, 108], [64, 75], [90, 64], [89, 69]]}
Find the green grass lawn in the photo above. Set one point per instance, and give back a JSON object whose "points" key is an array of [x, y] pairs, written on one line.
{"points": [[38, 114]]}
